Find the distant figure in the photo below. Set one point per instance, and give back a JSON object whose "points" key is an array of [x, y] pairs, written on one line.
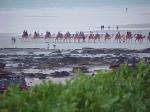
{"points": [[101, 27], [126, 10], [108, 27], [54, 46], [13, 39], [117, 27]]}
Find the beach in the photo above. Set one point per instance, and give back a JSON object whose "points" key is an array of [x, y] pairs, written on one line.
{"points": [[6, 41], [45, 59]]}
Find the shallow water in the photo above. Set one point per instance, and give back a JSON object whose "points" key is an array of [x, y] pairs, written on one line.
{"points": [[41, 43]]}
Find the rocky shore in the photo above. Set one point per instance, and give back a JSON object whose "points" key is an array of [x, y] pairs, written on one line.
{"points": [[54, 63]]}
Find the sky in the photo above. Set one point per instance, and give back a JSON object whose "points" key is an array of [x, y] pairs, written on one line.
{"points": [[72, 15], [4, 4]]}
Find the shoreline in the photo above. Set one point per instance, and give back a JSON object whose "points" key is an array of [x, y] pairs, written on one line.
{"points": [[6, 42]]}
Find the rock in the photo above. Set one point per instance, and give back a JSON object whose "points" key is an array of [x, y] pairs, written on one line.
{"points": [[41, 55], [146, 50], [117, 54], [70, 60], [114, 66], [41, 76], [5, 74], [2, 65], [56, 55], [35, 75], [60, 74], [74, 52], [80, 68], [65, 73], [56, 51], [93, 51], [30, 75]]}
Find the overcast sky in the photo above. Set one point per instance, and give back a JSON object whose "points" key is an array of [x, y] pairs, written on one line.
{"points": [[68, 3]]}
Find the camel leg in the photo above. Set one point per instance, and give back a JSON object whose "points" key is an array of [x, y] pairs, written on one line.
{"points": [[83, 40], [100, 40], [138, 40], [105, 40], [119, 40], [126, 40], [114, 40], [69, 40], [135, 40]]}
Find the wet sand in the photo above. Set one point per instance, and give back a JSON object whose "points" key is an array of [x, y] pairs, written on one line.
{"points": [[6, 41]]}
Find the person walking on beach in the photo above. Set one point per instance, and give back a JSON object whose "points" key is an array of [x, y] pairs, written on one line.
{"points": [[108, 27], [101, 27], [13, 39], [126, 10], [117, 27]]}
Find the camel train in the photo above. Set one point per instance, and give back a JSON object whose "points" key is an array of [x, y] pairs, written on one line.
{"points": [[89, 37]]}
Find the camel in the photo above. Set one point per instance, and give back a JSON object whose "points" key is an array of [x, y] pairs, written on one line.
{"points": [[128, 37], [47, 35], [25, 34], [78, 36], [59, 36], [67, 36], [91, 36], [107, 37], [139, 38], [148, 38], [119, 37]]}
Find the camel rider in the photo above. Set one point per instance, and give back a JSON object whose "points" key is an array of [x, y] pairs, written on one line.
{"points": [[35, 34], [118, 34]]}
